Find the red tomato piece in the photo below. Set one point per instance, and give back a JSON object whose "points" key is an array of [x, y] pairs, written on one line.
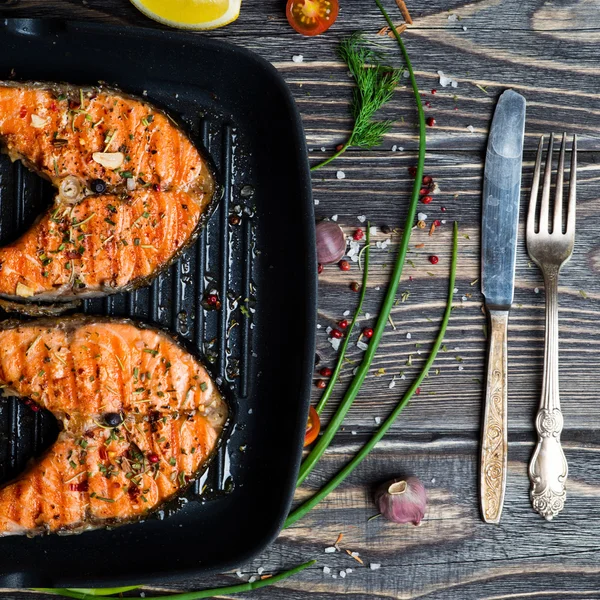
{"points": [[312, 17], [313, 426]]}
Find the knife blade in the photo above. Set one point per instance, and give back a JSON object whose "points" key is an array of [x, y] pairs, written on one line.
{"points": [[499, 227]]}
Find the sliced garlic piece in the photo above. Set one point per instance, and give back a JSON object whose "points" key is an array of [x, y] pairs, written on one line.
{"points": [[110, 160], [38, 122], [24, 291]]}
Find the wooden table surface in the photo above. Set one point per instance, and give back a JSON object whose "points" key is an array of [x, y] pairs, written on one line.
{"points": [[548, 52]]}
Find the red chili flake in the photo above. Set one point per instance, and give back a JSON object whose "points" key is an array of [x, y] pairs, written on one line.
{"points": [[102, 453], [427, 199], [344, 265], [339, 147], [367, 332], [83, 486], [336, 333], [321, 384], [427, 104], [443, 209], [23, 112], [153, 457], [412, 171], [434, 260], [319, 268], [418, 391], [427, 179], [430, 121], [53, 107], [434, 92], [437, 222], [156, 187], [343, 323], [358, 235], [326, 372], [354, 286]]}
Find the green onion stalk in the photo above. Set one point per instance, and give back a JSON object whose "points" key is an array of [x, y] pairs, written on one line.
{"points": [[390, 297], [338, 367], [198, 595], [364, 451]]}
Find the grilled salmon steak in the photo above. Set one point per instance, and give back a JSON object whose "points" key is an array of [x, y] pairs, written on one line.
{"points": [[140, 418], [132, 191]]}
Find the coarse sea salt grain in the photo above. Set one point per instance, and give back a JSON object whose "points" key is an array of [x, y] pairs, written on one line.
{"points": [[362, 218], [422, 216], [349, 571], [375, 566], [394, 148], [536, 290], [464, 27], [319, 326], [346, 313], [446, 81], [297, 58], [330, 550], [392, 383], [367, 315], [361, 345], [238, 573], [408, 336], [253, 579], [334, 218], [326, 570], [377, 420], [335, 343], [260, 570], [452, 18], [340, 175], [461, 368], [353, 432], [471, 128], [323, 148], [373, 230], [316, 202], [342, 574], [403, 376], [433, 480]]}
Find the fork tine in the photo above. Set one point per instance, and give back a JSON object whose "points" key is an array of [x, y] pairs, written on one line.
{"points": [[558, 198], [545, 210], [572, 190], [535, 185]]}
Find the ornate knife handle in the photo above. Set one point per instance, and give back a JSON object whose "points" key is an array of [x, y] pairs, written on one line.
{"points": [[548, 468], [494, 440]]}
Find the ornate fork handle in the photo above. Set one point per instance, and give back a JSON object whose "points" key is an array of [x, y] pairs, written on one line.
{"points": [[548, 468]]}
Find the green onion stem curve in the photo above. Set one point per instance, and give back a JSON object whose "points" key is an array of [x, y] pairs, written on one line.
{"points": [[232, 589], [338, 367], [336, 421], [364, 451]]}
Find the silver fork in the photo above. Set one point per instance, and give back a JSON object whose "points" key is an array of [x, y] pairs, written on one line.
{"points": [[550, 249]]}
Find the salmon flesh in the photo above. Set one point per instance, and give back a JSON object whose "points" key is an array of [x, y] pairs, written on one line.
{"points": [[132, 191], [140, 418]]}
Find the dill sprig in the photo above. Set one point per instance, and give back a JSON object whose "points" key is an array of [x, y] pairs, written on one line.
{"points": [[375, 85]]}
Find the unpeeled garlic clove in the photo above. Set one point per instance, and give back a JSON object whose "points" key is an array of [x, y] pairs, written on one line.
{"points": [[402, 500]]}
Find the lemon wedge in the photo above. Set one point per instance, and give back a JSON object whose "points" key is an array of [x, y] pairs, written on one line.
{"points": [[191, 14]]}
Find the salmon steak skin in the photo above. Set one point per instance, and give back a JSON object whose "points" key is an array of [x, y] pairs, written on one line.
{"points": [[140, 419], [132, 191]]}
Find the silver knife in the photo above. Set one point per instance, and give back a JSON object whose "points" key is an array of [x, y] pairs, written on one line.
{"points": [[499, 224]]}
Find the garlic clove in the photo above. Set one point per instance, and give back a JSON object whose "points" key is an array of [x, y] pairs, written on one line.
{"points": [[402, 500], [24, 291], [110, 160], [38, 122]]}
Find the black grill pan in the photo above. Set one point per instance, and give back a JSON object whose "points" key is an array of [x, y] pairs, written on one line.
{"points": [[237, 106]]}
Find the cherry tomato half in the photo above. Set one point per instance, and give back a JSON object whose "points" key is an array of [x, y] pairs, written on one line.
{"points": [[312, 17], [313, 426]]}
